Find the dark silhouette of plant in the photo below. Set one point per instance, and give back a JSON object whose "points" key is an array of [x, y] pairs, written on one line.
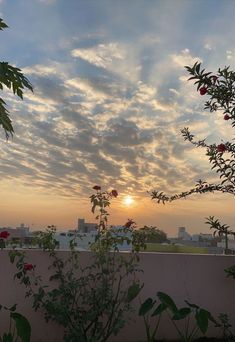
{"points": [[19, 327], [13, 79], [91, 302], [221, 91], [152, 309]]}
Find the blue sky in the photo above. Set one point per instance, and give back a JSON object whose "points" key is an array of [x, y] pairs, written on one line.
{"points": [[110, 97]]}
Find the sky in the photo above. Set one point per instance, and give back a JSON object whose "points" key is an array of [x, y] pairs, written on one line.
{"points": [[110, 98]]}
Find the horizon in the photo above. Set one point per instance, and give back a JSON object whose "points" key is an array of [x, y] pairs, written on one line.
{"points": [[110, 97]]}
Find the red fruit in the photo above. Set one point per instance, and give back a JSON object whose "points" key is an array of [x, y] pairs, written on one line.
{"points": [[4, 234], [96, 187], [221, 148], [28, 267], [203, 90], [227, 117], [114, 193]]}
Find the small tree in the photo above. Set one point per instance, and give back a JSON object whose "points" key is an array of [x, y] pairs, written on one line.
{"points": [[13, 79], [221, 91]]}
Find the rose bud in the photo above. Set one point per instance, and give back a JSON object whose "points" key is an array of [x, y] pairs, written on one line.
{"points": [[96, 187], [4, 234], [28, 267], [221, 148], [128, 223], [227, 117], [203, 90], [114, 193]]}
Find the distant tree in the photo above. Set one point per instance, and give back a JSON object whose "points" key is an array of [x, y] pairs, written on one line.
{"points": [[147, 234], [221, 91], [13, 79]]}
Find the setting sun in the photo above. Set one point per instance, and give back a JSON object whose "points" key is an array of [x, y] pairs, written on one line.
{"points": [[128, 200]]}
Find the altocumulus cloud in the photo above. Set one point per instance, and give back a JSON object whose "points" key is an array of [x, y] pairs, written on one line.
{"points": [[103, 127]]}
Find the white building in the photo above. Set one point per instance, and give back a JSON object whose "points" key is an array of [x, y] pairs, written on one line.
{"points": [[183, 234], [84, 240]]}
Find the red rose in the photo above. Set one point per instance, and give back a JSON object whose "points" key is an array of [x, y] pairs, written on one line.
{"points": [[227, 117], [221, 148], [129, 223], [203, 90], [96, 187], [114, 193], [28, 267], [4, 234]]}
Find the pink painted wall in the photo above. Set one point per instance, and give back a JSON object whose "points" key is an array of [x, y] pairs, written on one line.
{"points": [[198, 278]]}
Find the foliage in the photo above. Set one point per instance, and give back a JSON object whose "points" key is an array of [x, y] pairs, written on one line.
{"points": [[147, 234], [223, 323], [19, 327], [174, 248], [45, 239], [221, 92], [230, 271], [220, 229], [13, 79], [90, 302], [152, 309]]}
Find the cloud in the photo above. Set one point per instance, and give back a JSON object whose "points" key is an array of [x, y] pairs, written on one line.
{"points": [[184, 58], [101, 55]]}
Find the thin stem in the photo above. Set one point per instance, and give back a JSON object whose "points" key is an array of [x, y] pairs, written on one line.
{"points": [[178, 330], [156, 328]]}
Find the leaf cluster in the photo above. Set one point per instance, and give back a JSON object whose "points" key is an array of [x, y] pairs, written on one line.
{"points": [[19, 327], [91, 301], [196, 318], [13, 79], [221, 91]]}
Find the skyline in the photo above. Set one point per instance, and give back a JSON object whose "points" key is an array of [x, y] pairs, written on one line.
{"points": [[110, 97]]}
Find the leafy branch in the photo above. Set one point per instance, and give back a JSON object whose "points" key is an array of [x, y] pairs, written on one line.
{"points": [[13, 79]]}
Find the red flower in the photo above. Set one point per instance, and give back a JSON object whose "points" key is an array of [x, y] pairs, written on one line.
{"points": [[96, 187], [227, 117], [203, 90], [4, 234], [28, 267], [114, 193], [221, 148], [129, 223]]}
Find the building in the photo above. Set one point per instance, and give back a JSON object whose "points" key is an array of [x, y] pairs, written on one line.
{"points": [[85, 227], [183, 234], [84, 240], [17, 233]]}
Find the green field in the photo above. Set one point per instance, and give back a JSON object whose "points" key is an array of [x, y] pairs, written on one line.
{"points": [[156, 247]]}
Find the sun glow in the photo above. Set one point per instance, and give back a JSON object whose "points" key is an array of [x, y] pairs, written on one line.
{"points": [[128, 200]]}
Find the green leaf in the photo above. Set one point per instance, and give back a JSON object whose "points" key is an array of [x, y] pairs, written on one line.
{"points": [[194, 306], [2, 24], [168, 301], [181, 314], [23, 327], [146, 306], [202, 317], [7, 337], [161, 307], [133, 291]]}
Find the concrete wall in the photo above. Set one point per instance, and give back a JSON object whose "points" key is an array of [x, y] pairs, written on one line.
{"points": [[198, 278]]}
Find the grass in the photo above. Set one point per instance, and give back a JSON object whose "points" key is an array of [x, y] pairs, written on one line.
{"points": [[156, 247]]}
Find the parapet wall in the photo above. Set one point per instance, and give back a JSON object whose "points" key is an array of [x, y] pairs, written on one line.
{"points": [[198, 278]]}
